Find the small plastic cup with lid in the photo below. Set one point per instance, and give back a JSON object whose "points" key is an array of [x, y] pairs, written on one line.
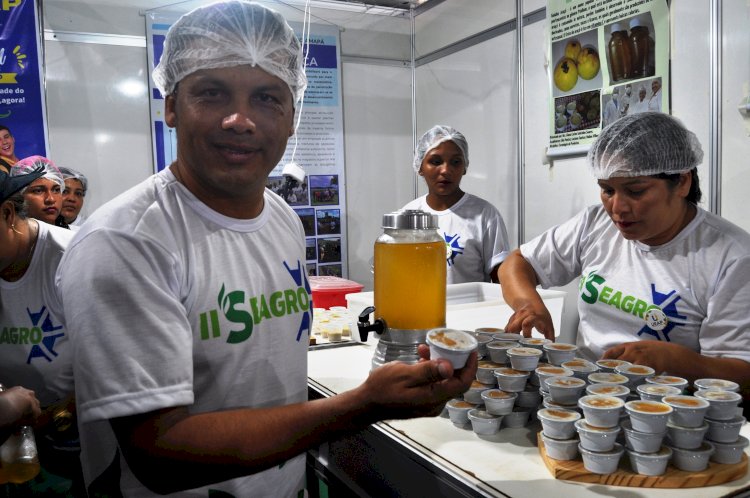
{"points": [[650, 464], [559, 352], [453, 345], [601, 411], [598, 462], [498, 402], [545, 372], [529, 398], [686, 437], [723, 403], [729, 452], [581, 368], [610, 365], [558, 423], [616, 390], [596, 438], [720, 384], [692, 460], [534, 342], [636, 374], [510, 379], [642, 442], [655, 392], [560, 449], [606, 378], [486, 371], [724, 431], [524, 358], [482, 341], [565, 390], [519, 417], [497, 351], [688, 411], [488, 331], [458, 411], [648, 416], [507, 337], [484, 423], [474, 393], [668, 380]]}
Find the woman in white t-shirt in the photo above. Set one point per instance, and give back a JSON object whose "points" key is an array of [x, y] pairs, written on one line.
{"points": [[474, 231], [663, 282]]}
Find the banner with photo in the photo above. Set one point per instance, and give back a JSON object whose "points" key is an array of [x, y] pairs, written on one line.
{"points": [[608, 59], [22, 107], [317, 146]]}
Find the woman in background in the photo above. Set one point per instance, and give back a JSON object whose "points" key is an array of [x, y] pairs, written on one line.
{"points": [[43, 197], [473, 229], [73, 196]]}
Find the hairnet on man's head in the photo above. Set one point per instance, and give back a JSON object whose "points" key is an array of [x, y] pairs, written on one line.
{"points": [[70, 173], [35, 163], [434, 137], [227, 34], [644, 144]]}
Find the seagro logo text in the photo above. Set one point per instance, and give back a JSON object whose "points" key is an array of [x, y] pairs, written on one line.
{"points": [[248, 312], [592, 289]]}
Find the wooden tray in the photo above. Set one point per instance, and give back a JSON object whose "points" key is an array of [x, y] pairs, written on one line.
{"points": [[573, 470]]}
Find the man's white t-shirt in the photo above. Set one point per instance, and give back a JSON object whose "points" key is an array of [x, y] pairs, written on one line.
{"points": [[475, 236], [175, 304], [694, 290]]}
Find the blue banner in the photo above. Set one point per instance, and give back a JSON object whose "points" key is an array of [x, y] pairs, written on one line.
{"points": [[21, 97]]}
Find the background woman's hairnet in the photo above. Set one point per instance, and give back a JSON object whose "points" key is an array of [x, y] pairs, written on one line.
{"points": [[228, 34], [34, 163], [644, 144], [434, 137], [70, 173]]}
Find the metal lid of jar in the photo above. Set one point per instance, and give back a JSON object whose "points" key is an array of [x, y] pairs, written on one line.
{"points": [[410, 219]]}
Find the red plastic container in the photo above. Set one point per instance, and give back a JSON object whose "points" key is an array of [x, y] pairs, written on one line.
{"points": [[329, 291]]}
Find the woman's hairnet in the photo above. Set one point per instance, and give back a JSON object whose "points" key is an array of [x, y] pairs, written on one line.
{"points": [[231, 33], [70, 173], [434, 137], [644, 144], [34, 163]]}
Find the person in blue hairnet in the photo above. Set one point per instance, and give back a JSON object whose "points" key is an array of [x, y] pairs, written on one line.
{"points": [[189, 296], [473, 229], [662, 282]]}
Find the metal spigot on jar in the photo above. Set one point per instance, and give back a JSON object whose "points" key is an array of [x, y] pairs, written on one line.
{"points": [[410, 285]]}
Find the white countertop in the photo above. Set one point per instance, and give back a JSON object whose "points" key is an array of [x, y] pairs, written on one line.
{"points": [[506, 463]]}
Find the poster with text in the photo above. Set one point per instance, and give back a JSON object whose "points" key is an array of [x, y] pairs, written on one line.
{"points": [[317, 146], [608, 59], [22, 107]]}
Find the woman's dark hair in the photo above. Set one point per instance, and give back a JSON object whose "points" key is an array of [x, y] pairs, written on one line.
{"points": [[695, 194], [19, 205]]}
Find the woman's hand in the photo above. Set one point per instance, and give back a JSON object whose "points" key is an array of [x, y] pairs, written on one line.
{"points": [[529, 317]]}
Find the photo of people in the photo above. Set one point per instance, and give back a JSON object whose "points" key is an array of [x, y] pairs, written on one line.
{"points": [[328, 221], [631, 48], [332, 270], [289, 189], [310, 246], [329, 250], [307, 215], [631, 98], [324, 189]]}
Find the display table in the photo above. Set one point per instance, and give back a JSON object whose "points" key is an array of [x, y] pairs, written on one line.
{"points": [[432, 457]]}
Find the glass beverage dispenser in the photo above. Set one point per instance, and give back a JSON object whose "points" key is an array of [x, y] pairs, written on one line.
{"points": [[410, 285]]}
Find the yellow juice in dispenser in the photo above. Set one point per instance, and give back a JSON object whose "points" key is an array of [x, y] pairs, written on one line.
{"points": [[410, 284]]}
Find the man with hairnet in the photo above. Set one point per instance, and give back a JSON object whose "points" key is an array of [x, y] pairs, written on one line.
{"points": [[611, 109], [663, 283], [189, 297]]}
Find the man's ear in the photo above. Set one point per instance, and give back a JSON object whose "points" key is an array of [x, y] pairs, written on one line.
{"points": [[170, 116]]}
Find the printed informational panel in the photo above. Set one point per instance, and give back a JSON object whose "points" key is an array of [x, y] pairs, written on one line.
{"points": [[317, 146], [22, 106], [608, 59]]}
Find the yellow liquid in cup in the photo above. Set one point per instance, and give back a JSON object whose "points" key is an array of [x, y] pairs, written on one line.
{"points": [[410, 285], [18, 473]]}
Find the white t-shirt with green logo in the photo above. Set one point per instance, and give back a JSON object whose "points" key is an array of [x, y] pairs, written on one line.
{"points": [[694, 290], [34, 347], [175, 304], [475, 236]]}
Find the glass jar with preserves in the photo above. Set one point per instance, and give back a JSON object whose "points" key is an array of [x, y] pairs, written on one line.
{"points": [[640, 45], [619, 52]]}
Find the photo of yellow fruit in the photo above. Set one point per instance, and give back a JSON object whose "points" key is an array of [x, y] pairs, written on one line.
{"points": [[588, 63], [566, 74], [572, 49]]}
